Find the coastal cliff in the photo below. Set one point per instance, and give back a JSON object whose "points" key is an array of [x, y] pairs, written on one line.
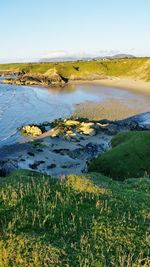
{"points": [[61, 73]]}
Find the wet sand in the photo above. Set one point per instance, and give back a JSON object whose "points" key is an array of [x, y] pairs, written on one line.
{"points": [[114, 109], [138, 86], [111, 110]]}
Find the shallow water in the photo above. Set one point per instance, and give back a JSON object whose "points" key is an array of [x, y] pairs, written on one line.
{"points": [[21, 105]]}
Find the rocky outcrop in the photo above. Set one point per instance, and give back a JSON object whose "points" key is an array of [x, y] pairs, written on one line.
{"points": [[75, 129], [69, 129], [7, 166], [87, 128], [11, 73], [31, 130], [35, 79]]}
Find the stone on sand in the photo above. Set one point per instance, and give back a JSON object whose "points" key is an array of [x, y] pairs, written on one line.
{"points": [[31, 130]]}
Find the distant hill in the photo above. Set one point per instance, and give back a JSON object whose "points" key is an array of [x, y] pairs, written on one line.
{"points": [[62, 59], [123, 56], [117, 56]]}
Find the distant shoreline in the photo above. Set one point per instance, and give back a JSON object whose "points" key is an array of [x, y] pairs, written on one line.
{"points": [[125, 83], [139, 86], [113, 109]]}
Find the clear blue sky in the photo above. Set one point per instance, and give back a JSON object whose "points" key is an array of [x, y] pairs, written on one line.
{"points": [[35, 28]]}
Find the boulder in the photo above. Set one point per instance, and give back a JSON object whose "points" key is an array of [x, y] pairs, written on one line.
{"points": [[71, 123], [36, 164], [7, 166], [31, 130], [87, 128], [134, 126], [87, 124], [105, 122], [51, 166], [55, 132], [87, 131], [112, 129]]}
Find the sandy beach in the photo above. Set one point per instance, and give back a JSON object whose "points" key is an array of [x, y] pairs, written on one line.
{"points": [[136, 85], [114, 109], [139, 86], [111, 110]]}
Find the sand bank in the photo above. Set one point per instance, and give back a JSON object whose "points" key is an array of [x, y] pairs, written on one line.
{"points": [[111, 110], [139, 86], [114, 109]]}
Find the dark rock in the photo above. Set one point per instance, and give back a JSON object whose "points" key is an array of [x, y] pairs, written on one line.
{"points": [[61, 151], [36, 164], [104, 121], [131, 125], [64, 166], [37, 79], [76, 153], [39, 150], [112, 129], [82, 138], [41, 161], [33, 166], [7, 166], [91, 148], [70, 165], [51, 166], [31, 154], [134, 126]]}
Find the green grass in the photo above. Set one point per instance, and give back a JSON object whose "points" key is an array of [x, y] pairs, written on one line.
{"points": [[135, 68], [78, 221], [129, 156]]}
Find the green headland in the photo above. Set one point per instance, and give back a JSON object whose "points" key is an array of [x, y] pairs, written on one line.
{"points": [[135, 68]]}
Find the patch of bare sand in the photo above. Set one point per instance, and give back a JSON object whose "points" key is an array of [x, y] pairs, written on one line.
{"points": [[138, 86], [132, 84], [111, 109]]}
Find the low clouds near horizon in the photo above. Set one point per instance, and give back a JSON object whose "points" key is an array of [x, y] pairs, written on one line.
{"points": [[56, 54], [64, 53]]}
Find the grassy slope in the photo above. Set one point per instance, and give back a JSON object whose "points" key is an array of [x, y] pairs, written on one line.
{"points": [[138, 68], [79, 221], [129, 157]]}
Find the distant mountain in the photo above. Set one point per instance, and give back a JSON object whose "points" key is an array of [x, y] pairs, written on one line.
{"points": [[123, 56], [118, 56], [61, 59], [57, 59]]}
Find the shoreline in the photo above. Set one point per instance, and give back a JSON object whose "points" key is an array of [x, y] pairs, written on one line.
{"points": [[138, 86], [67, 146], [113, 109], [110, 109]]}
